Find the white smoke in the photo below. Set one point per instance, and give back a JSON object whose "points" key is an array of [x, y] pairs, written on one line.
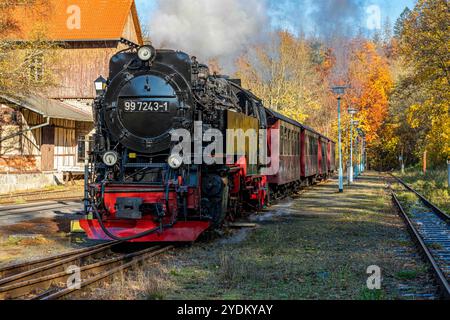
{"points": [[209, 29]]}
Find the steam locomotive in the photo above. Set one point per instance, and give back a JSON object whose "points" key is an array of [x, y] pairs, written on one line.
{"points": [[139, 190]]}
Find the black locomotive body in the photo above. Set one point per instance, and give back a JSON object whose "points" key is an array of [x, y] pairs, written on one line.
{"points": [[138, 189]]}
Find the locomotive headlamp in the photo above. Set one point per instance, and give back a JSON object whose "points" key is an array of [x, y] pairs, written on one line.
{"points": [[146, 53], [110, 158], [175, 161]]}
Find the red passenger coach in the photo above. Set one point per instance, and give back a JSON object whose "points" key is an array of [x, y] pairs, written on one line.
{"points": [[289, 158], [305, 155], [323, 166], [331, 156]]}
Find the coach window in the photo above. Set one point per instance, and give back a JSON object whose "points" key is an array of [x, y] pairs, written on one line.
{"points": [[294, 144], [83, 152], [287, 142], [290, 142], [288, 145], [288, 151]]}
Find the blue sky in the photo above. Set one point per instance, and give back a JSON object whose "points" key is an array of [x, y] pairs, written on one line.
{"points": [[286, 13]]}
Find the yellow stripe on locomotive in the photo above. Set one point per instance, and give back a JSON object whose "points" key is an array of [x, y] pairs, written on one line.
{"points": [[242, 139]]}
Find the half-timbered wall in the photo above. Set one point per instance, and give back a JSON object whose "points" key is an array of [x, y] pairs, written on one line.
{"points": [[28, 151], [65, 144], [22, 152], [84, 132]]}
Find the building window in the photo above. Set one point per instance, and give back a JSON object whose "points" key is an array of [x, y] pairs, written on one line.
{"points": [[16, 117], [36, 67], [82, 148]]}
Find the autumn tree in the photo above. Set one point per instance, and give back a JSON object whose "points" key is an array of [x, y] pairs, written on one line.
{"points": [[421, 99], [288, 74], [22, 60], [371, 83]]}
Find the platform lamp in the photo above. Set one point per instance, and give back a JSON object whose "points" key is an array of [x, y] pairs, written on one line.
{"points": [[352, 113], [448, 171], [340, 91], [359, 149], [100, 85], [361, 158]]}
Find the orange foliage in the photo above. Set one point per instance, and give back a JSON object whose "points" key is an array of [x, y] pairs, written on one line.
{"points": [[371, 83]]}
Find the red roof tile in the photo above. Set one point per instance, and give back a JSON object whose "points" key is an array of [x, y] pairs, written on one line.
{"points": [[76, 19]]}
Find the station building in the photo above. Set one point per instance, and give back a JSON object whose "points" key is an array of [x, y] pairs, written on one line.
{"points": [[45, 137]]}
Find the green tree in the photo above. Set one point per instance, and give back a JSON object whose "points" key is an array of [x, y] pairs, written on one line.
{"points": [[419, 105], [289, 74], [398, 27], [425, 44]]}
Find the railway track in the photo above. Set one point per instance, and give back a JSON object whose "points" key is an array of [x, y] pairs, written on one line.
{"points": [[38, 197], [50, 278], [32, 208], [430, 229], [30, 193]]}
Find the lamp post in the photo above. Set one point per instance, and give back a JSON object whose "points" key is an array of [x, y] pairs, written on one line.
{"points": [[363, 150], [359, 150], [361, 155], [100, 85], [366, 165], [448, 169], [352, 112], [358, 159], [340, 90]]}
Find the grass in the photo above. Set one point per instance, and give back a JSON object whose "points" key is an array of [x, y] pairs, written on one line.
{"points": [[436, 246], [16, 248], [433, 185], [407, 274], [139, 283], [20, 200], [12, 241], [24, 241], [367, 294], [47, 192], [55, 188]]}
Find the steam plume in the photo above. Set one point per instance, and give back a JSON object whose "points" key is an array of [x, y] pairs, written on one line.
{"points": [[209, 29]]}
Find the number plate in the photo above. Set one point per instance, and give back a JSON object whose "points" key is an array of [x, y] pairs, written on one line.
{"points": [[130, 106]]}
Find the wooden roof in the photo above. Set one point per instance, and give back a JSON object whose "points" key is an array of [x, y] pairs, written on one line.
{"points": [[49, 108], [99, 20]]}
